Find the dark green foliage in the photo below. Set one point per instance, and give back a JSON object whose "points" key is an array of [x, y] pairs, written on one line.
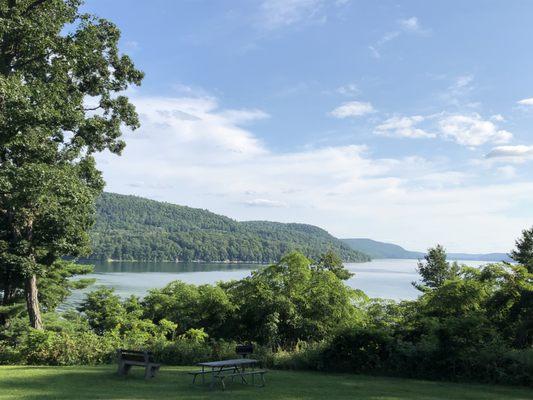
{"points": [[290, 302], [523, 254], [358, 350], [279, 305], [435, 270], [204, 307], [54, 61], [133, 228], [332, 262]]}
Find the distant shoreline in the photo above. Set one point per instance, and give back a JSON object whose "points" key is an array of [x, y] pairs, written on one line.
{"points": [[110, 260]]}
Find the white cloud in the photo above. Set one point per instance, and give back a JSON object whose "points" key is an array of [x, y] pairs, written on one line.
{"points": [[403, 127], [198, 122], [467, 130], [457, 93], [387, 37], [515, 154], [410, 24], [192, 151], [265, 203], [463, 81], [375, 52], [352, 109], [472, 130], [526, 102], [506, 172], [349, 89], [280, 13]]}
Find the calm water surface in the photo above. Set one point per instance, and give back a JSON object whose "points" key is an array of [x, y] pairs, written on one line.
{"points": [[386, 278]]}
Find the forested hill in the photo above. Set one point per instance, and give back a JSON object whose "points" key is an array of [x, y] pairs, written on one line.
{"points": [[134, 228], [377, 249]]}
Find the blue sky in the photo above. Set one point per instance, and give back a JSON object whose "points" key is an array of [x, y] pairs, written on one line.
{"points": [[403, 121]]}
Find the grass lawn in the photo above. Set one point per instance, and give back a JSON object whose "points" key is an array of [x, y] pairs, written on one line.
{"points": [[20, 382]]}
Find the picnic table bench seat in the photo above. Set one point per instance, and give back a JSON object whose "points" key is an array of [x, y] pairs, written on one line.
{"points": [[252, 373], [130, 358], [208, 372]]}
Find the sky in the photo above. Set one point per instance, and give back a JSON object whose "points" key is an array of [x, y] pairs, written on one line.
{"points": [[402, 121]]}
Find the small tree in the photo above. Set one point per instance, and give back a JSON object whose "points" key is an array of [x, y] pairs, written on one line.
{"points": [[60, 71], [435, 270], [523, 254], [332, 262]]}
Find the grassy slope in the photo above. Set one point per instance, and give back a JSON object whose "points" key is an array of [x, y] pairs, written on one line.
{"points": [[19, 382]]}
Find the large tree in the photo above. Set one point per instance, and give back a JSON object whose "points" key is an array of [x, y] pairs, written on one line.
{"points": [[61, 78]]}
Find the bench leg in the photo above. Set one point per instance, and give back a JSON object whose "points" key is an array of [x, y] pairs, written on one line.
{"points": [[149, 372], [123, 369]]}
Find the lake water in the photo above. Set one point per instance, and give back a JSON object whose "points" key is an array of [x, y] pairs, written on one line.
{"points": [[386, 278]]}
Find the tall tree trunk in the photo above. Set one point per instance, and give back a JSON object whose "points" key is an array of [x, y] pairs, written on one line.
{"points": [[32, 302], [5, 301]]}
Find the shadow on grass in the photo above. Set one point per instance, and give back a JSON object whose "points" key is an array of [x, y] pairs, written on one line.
{"points": [[32, 383]]}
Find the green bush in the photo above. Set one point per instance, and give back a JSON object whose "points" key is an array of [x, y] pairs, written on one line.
{"points": [[61, 348], [358, 350], [303, 356]]}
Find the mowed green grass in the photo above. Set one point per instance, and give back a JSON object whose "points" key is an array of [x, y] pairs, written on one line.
{"points": [[21, 382]]}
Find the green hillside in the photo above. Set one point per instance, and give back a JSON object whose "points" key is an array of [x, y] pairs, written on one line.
{"points": [[377, 249], [134, 228]]}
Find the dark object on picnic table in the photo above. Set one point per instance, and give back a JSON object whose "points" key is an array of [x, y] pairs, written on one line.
{"points": [[244, 349], [129, 358]]}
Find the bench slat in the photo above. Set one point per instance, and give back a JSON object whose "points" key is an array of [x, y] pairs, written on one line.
{"points": [[256, 372], [209, 371]]}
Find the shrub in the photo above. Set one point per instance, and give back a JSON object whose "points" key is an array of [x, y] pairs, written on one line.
{"points": [[61, 348], [357, 350]]}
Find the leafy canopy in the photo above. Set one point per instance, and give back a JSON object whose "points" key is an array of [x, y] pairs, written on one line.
{"points": [[61, 76]]}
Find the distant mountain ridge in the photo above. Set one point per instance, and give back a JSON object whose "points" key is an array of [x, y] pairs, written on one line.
{"points": [[135, 228], [376, 249]]}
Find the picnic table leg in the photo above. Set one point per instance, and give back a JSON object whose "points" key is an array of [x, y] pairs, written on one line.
{"points": [[121, 368], [203, 375], [243, 379], [235, 370], [213, 376]]}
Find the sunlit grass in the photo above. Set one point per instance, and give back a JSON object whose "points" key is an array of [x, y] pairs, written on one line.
{"points": [[20, 382]]}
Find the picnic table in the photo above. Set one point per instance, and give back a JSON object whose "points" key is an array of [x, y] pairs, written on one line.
{"points": [[237, 368]]}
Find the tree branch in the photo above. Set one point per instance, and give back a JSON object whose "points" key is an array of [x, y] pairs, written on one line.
{"points": [[33, 6], [92, 109]]}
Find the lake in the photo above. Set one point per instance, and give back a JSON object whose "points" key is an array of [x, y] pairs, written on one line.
{"points": [[386, 278]]}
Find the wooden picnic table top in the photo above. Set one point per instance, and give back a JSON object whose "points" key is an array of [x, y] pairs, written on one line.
{"points": [[229, 363]]}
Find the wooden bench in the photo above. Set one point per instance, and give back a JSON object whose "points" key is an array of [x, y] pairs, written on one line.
{"points": [[130, 358], [252, 373]]}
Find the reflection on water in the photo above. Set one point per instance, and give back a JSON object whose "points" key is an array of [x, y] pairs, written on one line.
{"points": [[173, 268], [388, 278]]}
